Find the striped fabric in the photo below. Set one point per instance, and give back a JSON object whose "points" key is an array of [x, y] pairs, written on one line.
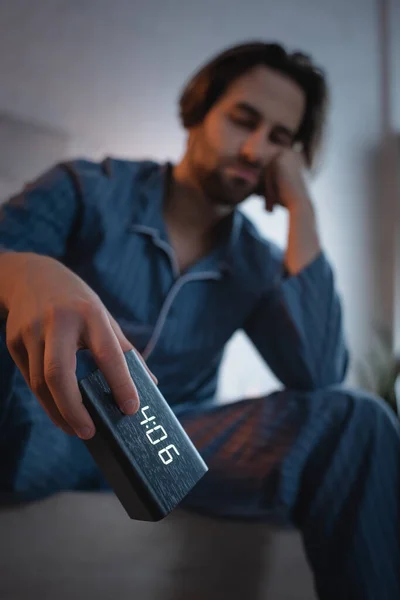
{"points": [[323, 459], [326, 462], [105, 222]]}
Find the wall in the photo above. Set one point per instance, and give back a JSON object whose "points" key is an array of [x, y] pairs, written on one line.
{"points": [[109, 74], [394, 57]]}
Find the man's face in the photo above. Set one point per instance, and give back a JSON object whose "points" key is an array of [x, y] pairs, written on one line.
{"points": [[252, 122]]}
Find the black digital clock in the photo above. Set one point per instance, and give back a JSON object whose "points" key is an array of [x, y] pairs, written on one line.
{"points": [[147, 458]]}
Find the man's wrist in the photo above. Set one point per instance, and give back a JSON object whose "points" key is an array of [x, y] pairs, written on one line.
{"points": [[302, 209], [11, 263], [303, 240]]}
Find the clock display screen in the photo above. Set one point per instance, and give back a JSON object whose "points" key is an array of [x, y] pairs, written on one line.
{"points": [[157, 434]]}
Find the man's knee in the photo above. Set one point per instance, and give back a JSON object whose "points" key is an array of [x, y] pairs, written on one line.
{"points": [[368, 409]]}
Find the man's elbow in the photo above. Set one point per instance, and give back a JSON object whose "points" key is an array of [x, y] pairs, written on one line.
{"points": [[317, 377], [333, 372]]}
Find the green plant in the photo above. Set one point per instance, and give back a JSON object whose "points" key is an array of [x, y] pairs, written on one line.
{"points": [[380, 369]]}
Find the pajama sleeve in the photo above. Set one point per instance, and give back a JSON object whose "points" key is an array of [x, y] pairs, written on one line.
{"points": [[297, 327]]}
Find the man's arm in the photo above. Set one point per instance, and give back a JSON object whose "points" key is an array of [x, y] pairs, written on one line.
{"points": [[37, 220], [297, 326], [50, 312], [40, 217], [303, 239]]}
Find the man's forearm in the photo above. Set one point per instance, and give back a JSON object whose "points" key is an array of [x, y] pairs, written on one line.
{"points": [[303, 239]]}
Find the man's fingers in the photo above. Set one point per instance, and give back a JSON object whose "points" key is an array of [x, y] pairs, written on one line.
{"points": [[105, 347], [38, 385], [19, 355], [123, 341], [49, 368], [60, 375], [154, 378], [126, 345], [28, 356]]}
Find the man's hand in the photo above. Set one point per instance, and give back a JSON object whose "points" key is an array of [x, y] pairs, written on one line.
{"points": [[285, 185], [51, 314]]}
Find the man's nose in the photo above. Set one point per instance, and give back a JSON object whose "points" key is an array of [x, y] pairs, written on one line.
{"points": [[258, 149]]}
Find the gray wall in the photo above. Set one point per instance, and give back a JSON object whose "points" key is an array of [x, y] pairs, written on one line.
{"points": [[394, 56], [107, 75]]}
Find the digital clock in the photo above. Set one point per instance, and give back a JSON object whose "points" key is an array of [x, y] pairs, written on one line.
{"points": [[167, 453], [147, 458]]}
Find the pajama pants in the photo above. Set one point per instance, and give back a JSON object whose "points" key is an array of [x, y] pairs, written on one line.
{"points": [[326, 462]]}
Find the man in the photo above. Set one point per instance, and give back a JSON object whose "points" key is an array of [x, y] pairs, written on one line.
{"points": [[128, 254]]}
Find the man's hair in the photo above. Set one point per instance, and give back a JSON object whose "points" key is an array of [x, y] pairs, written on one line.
{"points": [[213, 79]]}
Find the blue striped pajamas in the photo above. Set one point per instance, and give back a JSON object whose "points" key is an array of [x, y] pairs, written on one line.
{"points": [[314, 456]]}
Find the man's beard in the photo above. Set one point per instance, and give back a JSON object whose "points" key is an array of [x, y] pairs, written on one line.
{"points": [[223, 190]]}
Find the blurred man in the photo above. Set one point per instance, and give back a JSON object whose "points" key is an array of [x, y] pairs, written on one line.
{"points": [[127, 254]]}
